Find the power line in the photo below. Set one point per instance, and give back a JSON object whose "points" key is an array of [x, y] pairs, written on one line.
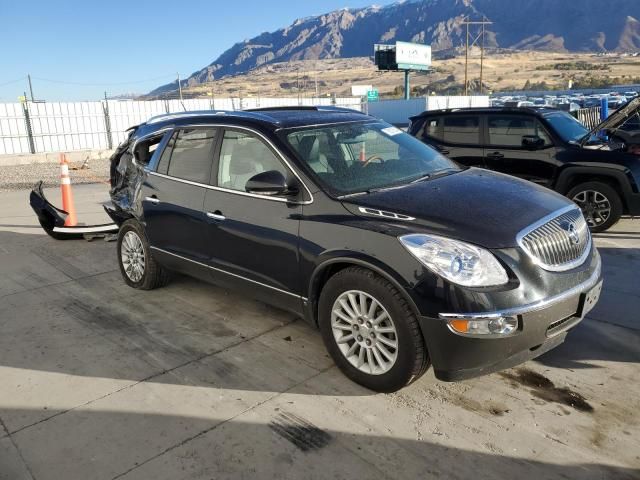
{"points": [[13, 81], [82, 84]]}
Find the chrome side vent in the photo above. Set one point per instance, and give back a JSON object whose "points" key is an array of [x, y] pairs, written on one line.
{"points": [[559, 242], [382, 213]]}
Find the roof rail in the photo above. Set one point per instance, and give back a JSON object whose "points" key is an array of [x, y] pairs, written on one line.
{"points": [[210, 113], [286, 107]]}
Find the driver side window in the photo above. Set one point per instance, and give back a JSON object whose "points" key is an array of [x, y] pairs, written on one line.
{"points": [[508, 130], [241, 157]]}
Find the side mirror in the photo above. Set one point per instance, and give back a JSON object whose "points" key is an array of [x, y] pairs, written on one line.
{"points": [[271, 182], [532, 142]]}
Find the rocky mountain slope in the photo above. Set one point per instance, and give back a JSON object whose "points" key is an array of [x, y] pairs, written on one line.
{"points": [[545, 25]]}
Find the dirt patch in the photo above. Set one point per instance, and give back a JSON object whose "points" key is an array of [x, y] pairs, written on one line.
{"points": [[545, 389], [298, 431]]}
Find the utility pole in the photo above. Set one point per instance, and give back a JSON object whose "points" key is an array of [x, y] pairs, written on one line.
{"points": [[482, 60], [30, 87], [179, 86], [470, 43], [466, 62]]}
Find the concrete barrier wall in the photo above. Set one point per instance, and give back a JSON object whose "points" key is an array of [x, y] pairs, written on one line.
{"points": [[32, 128], [398, 112]]}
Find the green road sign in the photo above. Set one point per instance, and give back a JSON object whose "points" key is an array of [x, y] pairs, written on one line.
{"points": [[372, 95]]}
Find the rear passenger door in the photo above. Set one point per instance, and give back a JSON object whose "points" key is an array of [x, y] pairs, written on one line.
{"points": [[173, 195], [456, 136], [505, 153]]}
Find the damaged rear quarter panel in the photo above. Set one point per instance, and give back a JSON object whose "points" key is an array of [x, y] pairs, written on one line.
{"points": [[127, 174]]}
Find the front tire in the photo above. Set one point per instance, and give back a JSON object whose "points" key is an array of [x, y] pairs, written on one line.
{"points": [[600, 204], [371, 331], [138, 267]]}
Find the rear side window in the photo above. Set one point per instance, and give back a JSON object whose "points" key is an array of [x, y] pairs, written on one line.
{"points": [[192, 154], [462, 129], [508, 130]]}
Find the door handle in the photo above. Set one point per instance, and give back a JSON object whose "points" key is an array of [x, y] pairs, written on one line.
{"points": [[495, 155], [443, 151], [216, 216], [155, 200]]}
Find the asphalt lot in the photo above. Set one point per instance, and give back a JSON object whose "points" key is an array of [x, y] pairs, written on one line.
{"points": [[99, 381]]}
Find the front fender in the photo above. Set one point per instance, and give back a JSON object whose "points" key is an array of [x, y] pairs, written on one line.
{"points": [[622, 175], [344, 257]]}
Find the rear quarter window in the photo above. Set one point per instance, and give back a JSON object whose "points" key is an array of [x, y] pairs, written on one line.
{"points": [[431, 128], [461, 129]]}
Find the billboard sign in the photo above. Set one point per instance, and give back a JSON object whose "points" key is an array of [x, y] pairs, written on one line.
{"points": [[360, 90], [413, 56]]}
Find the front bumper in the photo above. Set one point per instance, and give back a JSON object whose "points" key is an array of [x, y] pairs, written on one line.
{"points": [[542, 326]]}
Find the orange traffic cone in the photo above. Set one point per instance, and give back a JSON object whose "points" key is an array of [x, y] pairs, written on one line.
{"points": [[67, 194], [363, 155]]}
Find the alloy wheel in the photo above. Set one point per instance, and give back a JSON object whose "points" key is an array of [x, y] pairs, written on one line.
{"points": [[364, 332], [595, 206], [132, 256]]}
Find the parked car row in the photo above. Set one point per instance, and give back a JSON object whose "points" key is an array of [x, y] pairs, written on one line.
{"points": [[402, 257], [567, 103]]}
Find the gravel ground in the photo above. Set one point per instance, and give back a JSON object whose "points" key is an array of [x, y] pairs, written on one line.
{"points": [[20, 177]]}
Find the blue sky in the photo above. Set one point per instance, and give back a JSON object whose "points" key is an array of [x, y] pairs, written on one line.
{"points": [[128, 46]]}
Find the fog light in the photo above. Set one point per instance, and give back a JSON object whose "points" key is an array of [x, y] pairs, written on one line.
{"points": [[491, 326]]}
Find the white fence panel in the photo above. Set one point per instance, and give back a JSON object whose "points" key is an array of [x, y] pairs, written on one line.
{"points": [[60, 126], [68, 126], [13, 129], [439, 103], [126, 114]]}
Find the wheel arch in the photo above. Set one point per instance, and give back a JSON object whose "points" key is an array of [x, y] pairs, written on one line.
{"points": [[572, 176], [327, 268]]}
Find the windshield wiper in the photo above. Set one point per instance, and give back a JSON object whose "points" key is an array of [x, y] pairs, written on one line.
{"points": [[372, 190], [426, 176]]}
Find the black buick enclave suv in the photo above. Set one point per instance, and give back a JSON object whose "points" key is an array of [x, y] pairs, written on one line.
{"points": [[400, 257], [597, 169]]}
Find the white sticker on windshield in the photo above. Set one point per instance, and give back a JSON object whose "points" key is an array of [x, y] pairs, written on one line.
{"points": [[391, 131]]}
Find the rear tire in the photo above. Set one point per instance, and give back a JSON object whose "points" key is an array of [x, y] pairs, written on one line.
{"points": [[346, 331], [600, 204], [138, 267]]}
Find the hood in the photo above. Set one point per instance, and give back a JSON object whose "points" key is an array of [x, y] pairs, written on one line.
{"points": [[616, 119], [477, 206]]}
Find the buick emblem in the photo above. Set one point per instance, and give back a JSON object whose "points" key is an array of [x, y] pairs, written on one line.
{"points": [[572, 232]]}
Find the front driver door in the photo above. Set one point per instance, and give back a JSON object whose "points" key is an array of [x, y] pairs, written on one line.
{"points": [[253, 239]]}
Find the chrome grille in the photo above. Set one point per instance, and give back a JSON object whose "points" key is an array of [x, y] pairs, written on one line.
{"points": [[558, 243]]}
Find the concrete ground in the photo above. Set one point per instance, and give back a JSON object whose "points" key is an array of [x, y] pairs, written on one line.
{"points": [[100, 381]]}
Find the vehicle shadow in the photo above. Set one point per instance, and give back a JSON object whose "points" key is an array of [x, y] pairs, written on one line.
{"points": [[284, 444]]}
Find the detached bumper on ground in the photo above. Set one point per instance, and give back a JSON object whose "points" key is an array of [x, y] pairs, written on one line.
{"points": [[52, 219]]}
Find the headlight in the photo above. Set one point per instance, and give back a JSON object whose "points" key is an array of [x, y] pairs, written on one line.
{"points": [[458, 262]]}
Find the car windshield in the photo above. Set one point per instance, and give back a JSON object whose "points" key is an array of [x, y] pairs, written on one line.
{"points": [[361, 157], [569, 129]]}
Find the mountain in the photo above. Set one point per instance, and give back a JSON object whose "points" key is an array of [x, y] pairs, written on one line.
{"points": [[545, 25]]}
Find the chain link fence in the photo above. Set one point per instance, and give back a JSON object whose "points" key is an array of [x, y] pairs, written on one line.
{"points": [[41, 127]]}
